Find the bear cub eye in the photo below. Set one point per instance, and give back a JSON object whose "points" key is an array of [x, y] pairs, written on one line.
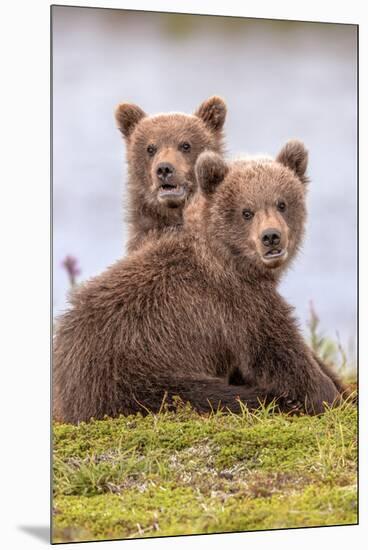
{"points": [[248, 214], [151, 150], [185, 147], [281, 206]]}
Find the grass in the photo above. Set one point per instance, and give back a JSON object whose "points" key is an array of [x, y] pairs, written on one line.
{"points": [[332, 351], [180, 473]]}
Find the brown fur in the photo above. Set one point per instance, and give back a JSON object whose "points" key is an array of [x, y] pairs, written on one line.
{"points": [[188, 310], [154, 140], [148, 215], [295, 156]]}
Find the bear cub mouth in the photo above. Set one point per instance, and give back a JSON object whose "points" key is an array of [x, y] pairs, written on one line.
{"points": [[274, 253], [273, 257], [171, 191]]}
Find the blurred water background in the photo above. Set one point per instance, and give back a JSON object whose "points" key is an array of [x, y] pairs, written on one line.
{"points": [[279, 79]]}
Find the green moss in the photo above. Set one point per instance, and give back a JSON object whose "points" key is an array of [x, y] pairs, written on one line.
{"points": [[312, 507], [165, 510], [181, 473]]}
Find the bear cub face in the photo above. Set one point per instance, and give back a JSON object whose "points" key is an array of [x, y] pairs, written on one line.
{"points": [[256, 207], [162, 151]]}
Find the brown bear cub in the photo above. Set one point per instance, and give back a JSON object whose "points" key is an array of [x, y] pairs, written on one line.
{"points": [[179, 316], [161, 154]]}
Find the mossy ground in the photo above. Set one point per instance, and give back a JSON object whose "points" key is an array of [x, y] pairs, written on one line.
{"points": [[180, 473]]}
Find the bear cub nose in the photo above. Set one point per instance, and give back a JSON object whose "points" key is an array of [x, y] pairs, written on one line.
{"points": [[164, 171], [270, 237]]}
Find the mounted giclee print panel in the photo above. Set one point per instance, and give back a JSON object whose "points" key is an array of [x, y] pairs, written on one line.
{"points": [[205, 274]]}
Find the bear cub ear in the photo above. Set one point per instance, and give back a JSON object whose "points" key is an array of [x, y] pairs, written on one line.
{"points": [[213, 113], [210, 170], [127, 116], [294, 155]]}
